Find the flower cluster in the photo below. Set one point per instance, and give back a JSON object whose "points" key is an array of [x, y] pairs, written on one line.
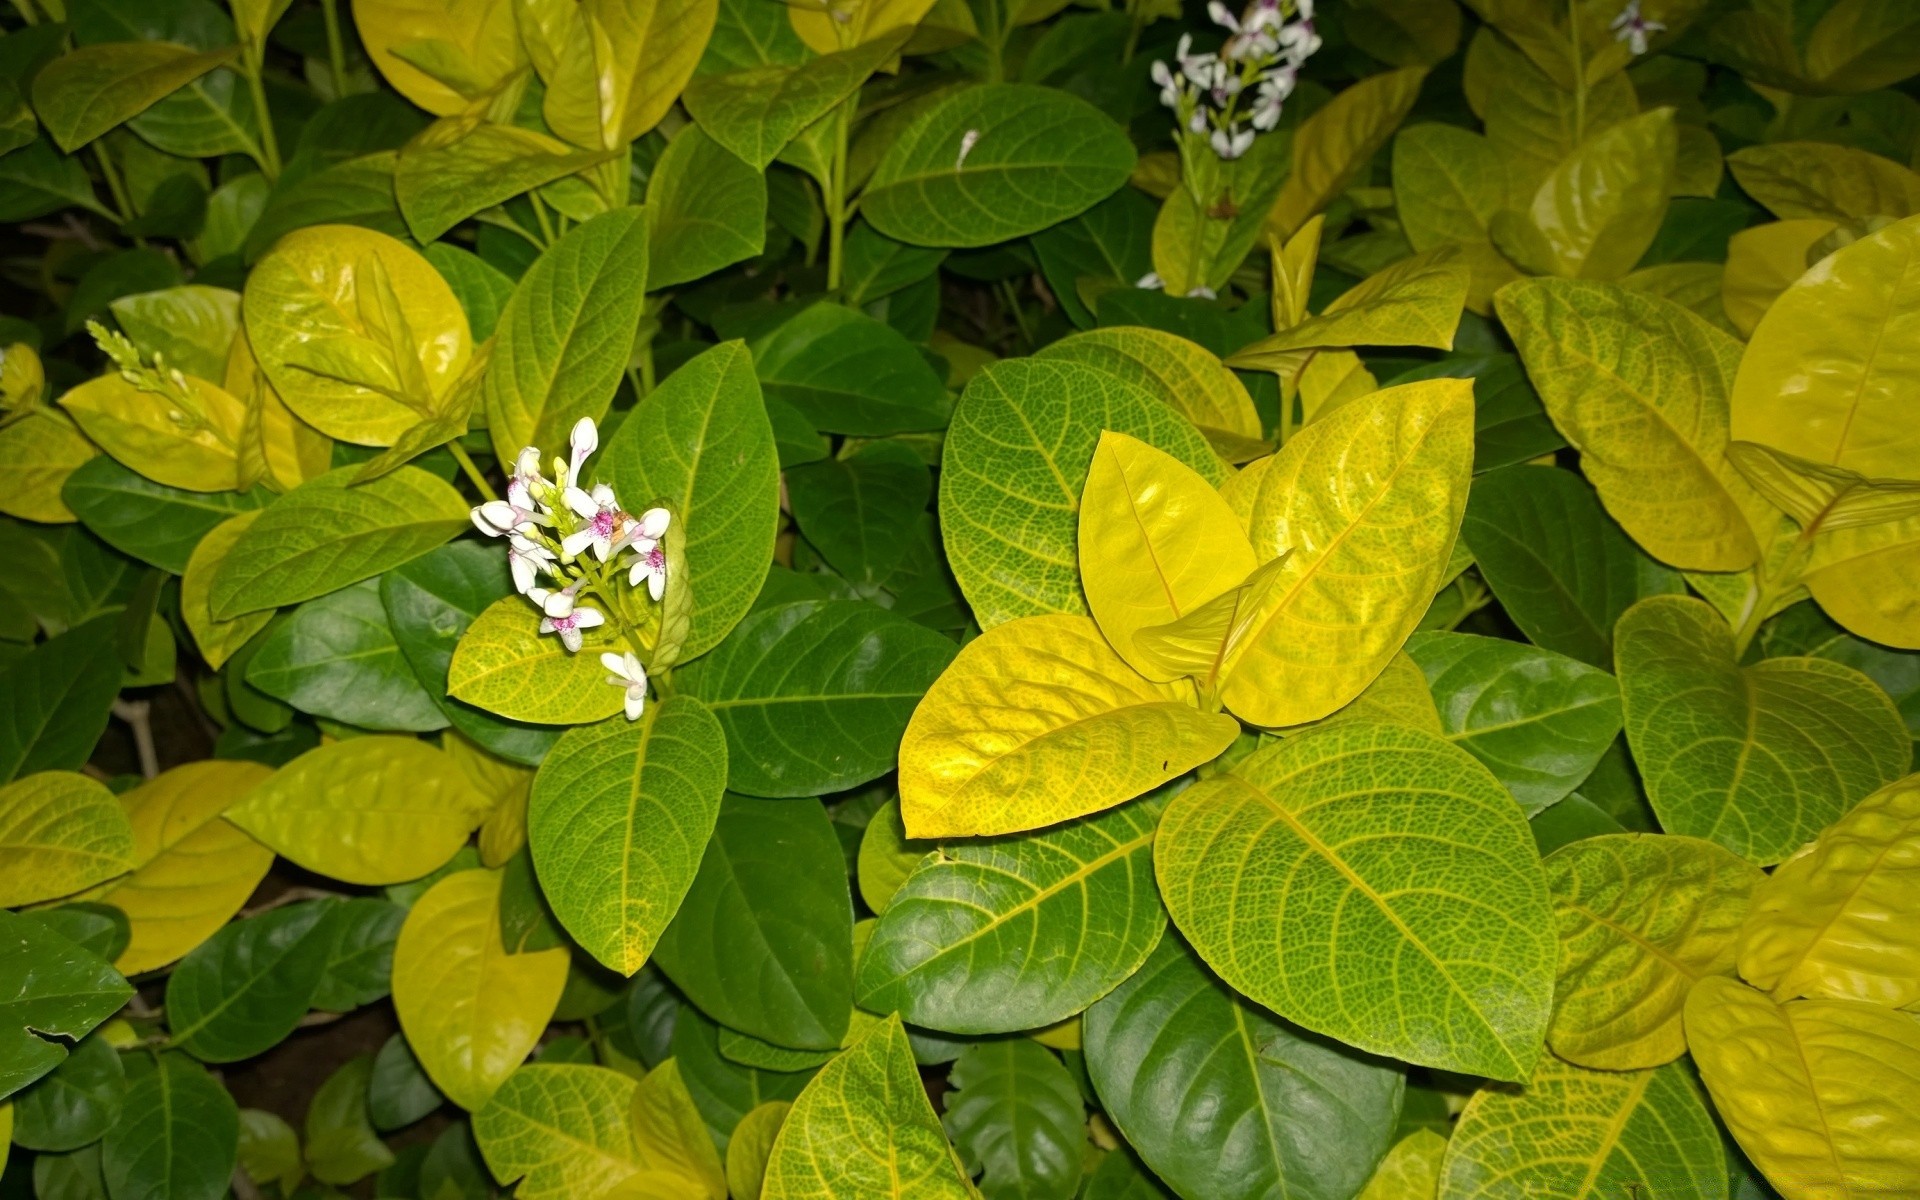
{"points": [[1632, 28], [552, 524], [1232, 96]]}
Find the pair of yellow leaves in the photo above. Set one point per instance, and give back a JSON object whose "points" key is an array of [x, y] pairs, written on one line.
{"points": [[1280, 599]]}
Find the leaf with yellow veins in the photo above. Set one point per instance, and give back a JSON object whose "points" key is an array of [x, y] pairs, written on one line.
{"points": [[1823, 1095], [505, 665], [671, 1138], [1640, 387], [60, 832], [1156, 542], [1598, 211], [1410, 1171], [472, 44], [826, 30], [862, 1129], [1368, 501], [1037, 721], [504, 785], [1187, 376], [1833, 366], [39, 449], [1415, 302], [186, 438], [192, 868], [1837, 921], [562, 1130], [471, 1011], [1587, 1134], [1827, 182], [1641, 918], [372, 810]]}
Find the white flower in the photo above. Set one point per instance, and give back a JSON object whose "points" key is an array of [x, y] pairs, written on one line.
{"points": [[585, 440], [1632, 28], [497, 518], [1151, 281], [527, 558], [569, 626], [1231, 143], [968, 140], [1169, 86], [526, 480], [555, 603], [1298, 41], [1271, 96], [626, 672], [603, 517], [650, 559]]}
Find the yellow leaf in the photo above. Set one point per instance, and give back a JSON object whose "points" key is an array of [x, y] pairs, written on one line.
{"points": [[1763, 262], [1836, 921], [39, 448], [1292, 272], [1598, 211], [1823, 1095], [372, 810], [1694, 286], [350, 327], [60, 832], [824, 32], [1640, 387], [622, 67], [1156, 542], [192, 869], [1410, 1171], [155, 435], [218, 640], [1867, 577], [1835, 364], [1037, 721], [1187, 376], [23, 379], [560, 1130], [282, 449], [1398, 695], [670, 1136], [470, 1010], [1368, 501], [1825, 182], [477, 34], [1641, 918], [507, 666], [1193, 643], [1339, 139], [748, 1148], [504, 786], [1414, 302], [1332, 379], [1243, 486], [1820, 498]]}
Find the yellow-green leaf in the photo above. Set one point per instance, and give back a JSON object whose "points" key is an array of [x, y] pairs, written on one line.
{"points": [[1587, 1134], [1763, 262], [1366, 502], [198, 451], [1414, 302], [455, 168], [1447, 185], [622, 66], [751, 1145], [1640, 387], [1837, 921], [1156, 542], [1187, 376], [477, 37], [825, 32], [563, 1130], [670, 1137], [82, 94], [1597, 213], [358, 334], [38, 450], [1823, 1095], [371, 810], [218, 640], [1038, 720], [862, 1129], [1835, 363], [1338, 140], [470, 1010], [1410, 1171], [59, 833], [504, 785], [1824, 181], [507, 666], [1867, 577], [192, 869], [1641, 918]]}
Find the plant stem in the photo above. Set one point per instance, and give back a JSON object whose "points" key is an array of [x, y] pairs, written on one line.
{"points": [[1011, 295], [137, 714], [122, 204], [1579, 74], [472, 471], [540, 215], [836, 195], [336, 48], [269, 141]]}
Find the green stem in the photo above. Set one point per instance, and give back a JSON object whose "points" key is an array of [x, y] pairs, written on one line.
{"points": [[837, 195], [1011, 295], [540, 215], [123, 206], [336, 47], [1136, 25], [269, 141], [472, 471], [1579, 74]]}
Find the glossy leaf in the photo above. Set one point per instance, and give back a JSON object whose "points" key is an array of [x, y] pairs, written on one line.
{"points": [[1759, 758], [506, 666], [560, 1130], [76, 1104], [1414, 302], [862, 510], [54, 989], [1599, 210], [244, 990], [1445, 955], [452, 171], [1223, 1099], [724, 1090], [42, 449], [705, 210], [669, 1136], [134, 426], [336, 657], [1448, 184], [1016, 1116], [848, 373], [1187, 376], [178, 1136], [1336, 142], [471, 1011], [154, 523], [359, 971], [81, 95], [1641, 918], [1015, 933], [750, 1147], [757, 111], [1819, 180], [60, 832]]}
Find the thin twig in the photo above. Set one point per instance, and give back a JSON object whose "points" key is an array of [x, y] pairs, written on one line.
{"points": [[137, 714], [291, 896]]}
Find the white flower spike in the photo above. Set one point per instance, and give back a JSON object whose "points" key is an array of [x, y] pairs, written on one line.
{"points": [[604, 518], [625, 671], [585, 440], [569, 626]]}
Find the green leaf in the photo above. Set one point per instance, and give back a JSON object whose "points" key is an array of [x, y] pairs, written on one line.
{"points": [[750, 1051], [1004, 934], [59, 695], [210, 116], [757, 111], [54, 989], [329, 532], [1109, 244], [336, 657], [178, 1136], [764, 940], [83, 94], [1040, 156], [1225, 1100], [1760, 758], [1538, 720], [430, 602], [1804, 630], [705, 210], [506, 666], [359, 191], [1444, 953], [360, 968], [242, 991], [77, 1104], [701, 444], [563, 341], [482, 288], [848, 373], [342, 1147], [1016, 1116], [618, 820], [1013, 468], [1594, 1133], [193, 326], [1558, 564], [454, 169], [1509, 424], [815, 695], [399, 1092], [862, 510], [38, 179], [150, 521], [863, 1130], [725, 1091], [561, 1130], [875, 266]]}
